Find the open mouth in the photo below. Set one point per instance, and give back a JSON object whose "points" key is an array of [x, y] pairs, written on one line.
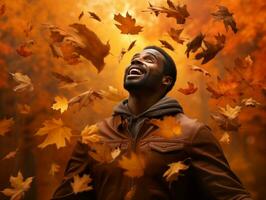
{"points": [[135, 71]]}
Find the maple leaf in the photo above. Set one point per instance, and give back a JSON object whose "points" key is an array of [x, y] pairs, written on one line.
{"points": [[112, 94], [115, 153], [81, 15], [24, 108], [174, 171], [250, 102], [190, 90], [225, 138], [10, 155], [54, 168], [167, 45], [175, 35], [127, 24], [133, 166], [24, 82], [5, 125], [61, 104], [178, 12], [129, 195], [124, 51], [199, 69], [169, 127], [224, 15], [19, 186], [212, 49], [94, 16], [244, 62], [89, 134], [85, 98], [24, 49], [225, 123], [230, 112], [101, 152], [56, 133], [81, 184], [194, 44], [66, 81]]}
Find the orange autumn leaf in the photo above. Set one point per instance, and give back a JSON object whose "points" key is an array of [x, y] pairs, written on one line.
{"points": [[127, 24], [61, 103], [24, 82], [89, 134], [169, 127], [81, 184], [167, 45], [194, 44], [54, 168], [225, 138], [24, 108], [56, 133], [174, 171], [113, 94], [101, 152], [19, 186], [190, 90], [133, 165], [230, 112], [94, 16], [10, 155], [81, 15], [199, 69], [250, 102], [175, 35], [5, 125], [23, 50], [130, 194]]}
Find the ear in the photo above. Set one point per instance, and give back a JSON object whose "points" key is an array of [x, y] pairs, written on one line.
{"points": [[167, 80]]}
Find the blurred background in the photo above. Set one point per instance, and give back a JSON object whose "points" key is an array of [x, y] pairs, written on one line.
{"points": [[25, 47]]}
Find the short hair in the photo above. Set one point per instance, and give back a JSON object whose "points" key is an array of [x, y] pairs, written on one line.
{"points": [[169, 65]]}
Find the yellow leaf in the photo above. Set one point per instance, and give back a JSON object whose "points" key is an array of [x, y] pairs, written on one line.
{"points": [[5, 125], [225, 138], [54, 169], [61, 104], [89, 134], [10, 155], [81, 184], [24, 82], [133, 166], [101, 153], [115, 153], [113, 94], [169, 127], [19, 187], [174, 171], [230, 112], [250, 102], [56, 133]]}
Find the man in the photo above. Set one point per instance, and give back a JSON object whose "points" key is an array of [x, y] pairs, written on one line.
{"points": [[201, 171]]}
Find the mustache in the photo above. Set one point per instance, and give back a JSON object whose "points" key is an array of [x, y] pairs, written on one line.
{"points": [[142, 67]]}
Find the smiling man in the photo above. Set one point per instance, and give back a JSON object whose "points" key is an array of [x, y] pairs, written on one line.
{"points": [[189, 165]]}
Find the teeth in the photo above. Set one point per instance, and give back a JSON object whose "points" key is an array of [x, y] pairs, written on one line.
{"points": [[135, 71]]}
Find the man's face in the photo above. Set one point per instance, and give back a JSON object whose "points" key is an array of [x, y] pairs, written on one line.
{"points": [[145, 71]]}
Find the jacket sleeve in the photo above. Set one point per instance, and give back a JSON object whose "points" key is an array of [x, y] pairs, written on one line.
{"points": [[77, 165], [212, 170]]}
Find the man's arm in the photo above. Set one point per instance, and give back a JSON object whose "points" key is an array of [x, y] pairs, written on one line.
{"points": [[77, 165], [212, 169]]}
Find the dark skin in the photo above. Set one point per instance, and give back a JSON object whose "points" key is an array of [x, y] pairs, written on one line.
{"points": [[147, 87]]}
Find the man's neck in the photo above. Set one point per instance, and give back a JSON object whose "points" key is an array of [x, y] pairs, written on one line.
{"points": [[139, 103]]}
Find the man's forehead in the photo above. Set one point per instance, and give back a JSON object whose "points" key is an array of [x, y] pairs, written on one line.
{"points": [[153, 52]]}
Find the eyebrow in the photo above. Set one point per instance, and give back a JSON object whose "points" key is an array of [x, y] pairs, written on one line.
{"points": [[151, 54]]}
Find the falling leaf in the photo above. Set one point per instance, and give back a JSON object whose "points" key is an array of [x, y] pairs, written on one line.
{"points": [[230, 112], [2, 9], [199, 69], [212, 49], [56, 51], [85, 98], [24, 49], [127, 24], [169, 127], [54, 168], [133, 165], [24, 108], [178, 12], [225, 138], [225, 123], [115, 153], [224, 15], [174, 171], [167, 45], [10, 155], [61, 104], [94, 16], [5, 125], [190, 90], [244, 62], [194, 44], [101, 152], [113, 94], [81, 184], [89, 134], [250, 102], [81, 15], [122, 53], [132, 44], [56, 133], [129, 195], [175, 35], [19, 187], [24, 82]]}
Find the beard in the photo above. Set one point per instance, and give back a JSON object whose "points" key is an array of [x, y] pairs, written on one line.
{"points": [[148, 82]]}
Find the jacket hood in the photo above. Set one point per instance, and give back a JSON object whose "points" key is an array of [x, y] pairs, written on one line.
{"points": [[165, 106]]}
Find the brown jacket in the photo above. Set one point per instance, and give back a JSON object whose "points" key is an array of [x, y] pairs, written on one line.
{"points": [[208, 177]]}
